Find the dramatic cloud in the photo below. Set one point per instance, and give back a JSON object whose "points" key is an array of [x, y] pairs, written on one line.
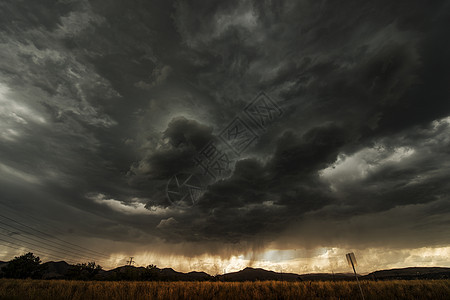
{"points": [[106, 105]]}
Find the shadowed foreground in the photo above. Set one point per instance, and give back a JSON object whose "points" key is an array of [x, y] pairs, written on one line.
{"points": [[60, 289]]}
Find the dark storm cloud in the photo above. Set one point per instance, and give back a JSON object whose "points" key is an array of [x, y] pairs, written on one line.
{"points": [[104, 101]]}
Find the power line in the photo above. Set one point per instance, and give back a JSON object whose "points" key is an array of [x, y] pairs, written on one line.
{"points": [[130, 262], [64, 250], [83, 251], [26, 242], [52, 228], [49, 255], [54, 237], [20, 214], [34, 250], [49, 235]]}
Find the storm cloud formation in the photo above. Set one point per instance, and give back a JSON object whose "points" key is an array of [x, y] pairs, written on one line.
{"points": [[102, 102]]}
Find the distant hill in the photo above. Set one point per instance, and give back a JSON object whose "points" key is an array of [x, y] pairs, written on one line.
{"points": [[410, 273], [141, 273], [252, 274], [200, 276], [61, 270], [168, 273], [55, 270]]}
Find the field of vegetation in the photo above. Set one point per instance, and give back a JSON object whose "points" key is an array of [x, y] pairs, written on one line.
{"points": [[64, 289]]}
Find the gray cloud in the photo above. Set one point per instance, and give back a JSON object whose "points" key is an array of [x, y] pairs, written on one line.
{"points": [[102, 102]]}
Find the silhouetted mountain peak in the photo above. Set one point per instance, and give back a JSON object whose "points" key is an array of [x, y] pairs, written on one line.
{"points": [[55, 270], [61, 269], [198, 273], [411, 273]]}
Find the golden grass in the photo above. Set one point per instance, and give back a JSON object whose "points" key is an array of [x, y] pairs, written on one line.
{"points": [[61, 289]]}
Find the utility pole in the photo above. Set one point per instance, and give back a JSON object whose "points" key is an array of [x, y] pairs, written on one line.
{"points": [[130, 262], [351, 259]]}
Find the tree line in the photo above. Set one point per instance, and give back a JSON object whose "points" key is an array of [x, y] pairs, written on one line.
{"points": [[30, 266]]}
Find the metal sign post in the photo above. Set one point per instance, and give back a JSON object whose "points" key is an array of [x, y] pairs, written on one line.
{"points": [[351, 259]]}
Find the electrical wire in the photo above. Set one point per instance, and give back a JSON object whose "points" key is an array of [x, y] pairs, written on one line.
{"points": [[49, 235]]}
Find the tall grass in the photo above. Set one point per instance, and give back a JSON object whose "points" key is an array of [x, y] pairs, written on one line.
{"points": [[60, 289]]}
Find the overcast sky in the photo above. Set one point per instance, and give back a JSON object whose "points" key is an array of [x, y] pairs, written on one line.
{"points": [[331, 120]]}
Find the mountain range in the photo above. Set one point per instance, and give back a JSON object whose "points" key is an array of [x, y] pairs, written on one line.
{"points": [[61, 269]]}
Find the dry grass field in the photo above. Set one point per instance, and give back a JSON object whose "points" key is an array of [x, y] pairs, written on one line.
{"points": [[60, 289]]}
